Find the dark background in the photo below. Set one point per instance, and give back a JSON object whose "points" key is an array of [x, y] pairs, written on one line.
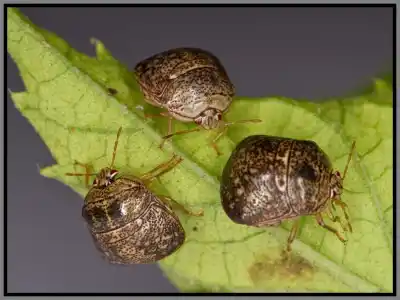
{"points": [[309, 53]]}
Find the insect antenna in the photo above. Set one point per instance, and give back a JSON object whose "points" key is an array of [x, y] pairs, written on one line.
{"points": [[242, 121], [343, 205], [115, 147], [166, 137], [353, 145], [80, 174], [198, 128], [87, 174], [223, 127]]}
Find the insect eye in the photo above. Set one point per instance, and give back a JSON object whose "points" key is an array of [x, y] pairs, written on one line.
{"points": [[219, 117], [95, 181], [337, 173], [113, 173]]}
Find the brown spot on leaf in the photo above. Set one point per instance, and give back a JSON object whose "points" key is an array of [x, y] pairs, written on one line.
{"points": [[112, 91], [292, 267]]}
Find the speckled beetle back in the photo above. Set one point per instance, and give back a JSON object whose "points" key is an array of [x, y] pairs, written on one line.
{"points": [[130, 224], [191, 84], [269, 179], [184, 80], [160, 68]]}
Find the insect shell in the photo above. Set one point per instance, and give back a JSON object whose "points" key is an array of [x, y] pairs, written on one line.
{"points": [[190, 83], [270, 179], [129, 224]]}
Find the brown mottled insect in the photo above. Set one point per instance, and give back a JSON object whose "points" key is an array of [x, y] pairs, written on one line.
{"points": [[130, 224], [271, 179], [192, 85]]}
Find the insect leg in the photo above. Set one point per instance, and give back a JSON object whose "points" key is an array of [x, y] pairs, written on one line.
{"points": [[170, 202], [224, 127], [88, 170], [334, 218], [169, 125], [161, 169], [331, 229], [198, 128], [169, 131], [162, 114], [333, 206], [87, 174], [344, 206], [214, 141], [292, 235]]}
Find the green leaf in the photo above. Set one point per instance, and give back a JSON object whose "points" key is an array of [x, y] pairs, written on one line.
{"points": [[67, 103]]}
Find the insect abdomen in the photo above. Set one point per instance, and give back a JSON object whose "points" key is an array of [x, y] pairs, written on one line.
{"points": [[152, 237], [157, 69], [254, 182], [204, 83], [136, 237], [309, 172], [268, 179]]}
